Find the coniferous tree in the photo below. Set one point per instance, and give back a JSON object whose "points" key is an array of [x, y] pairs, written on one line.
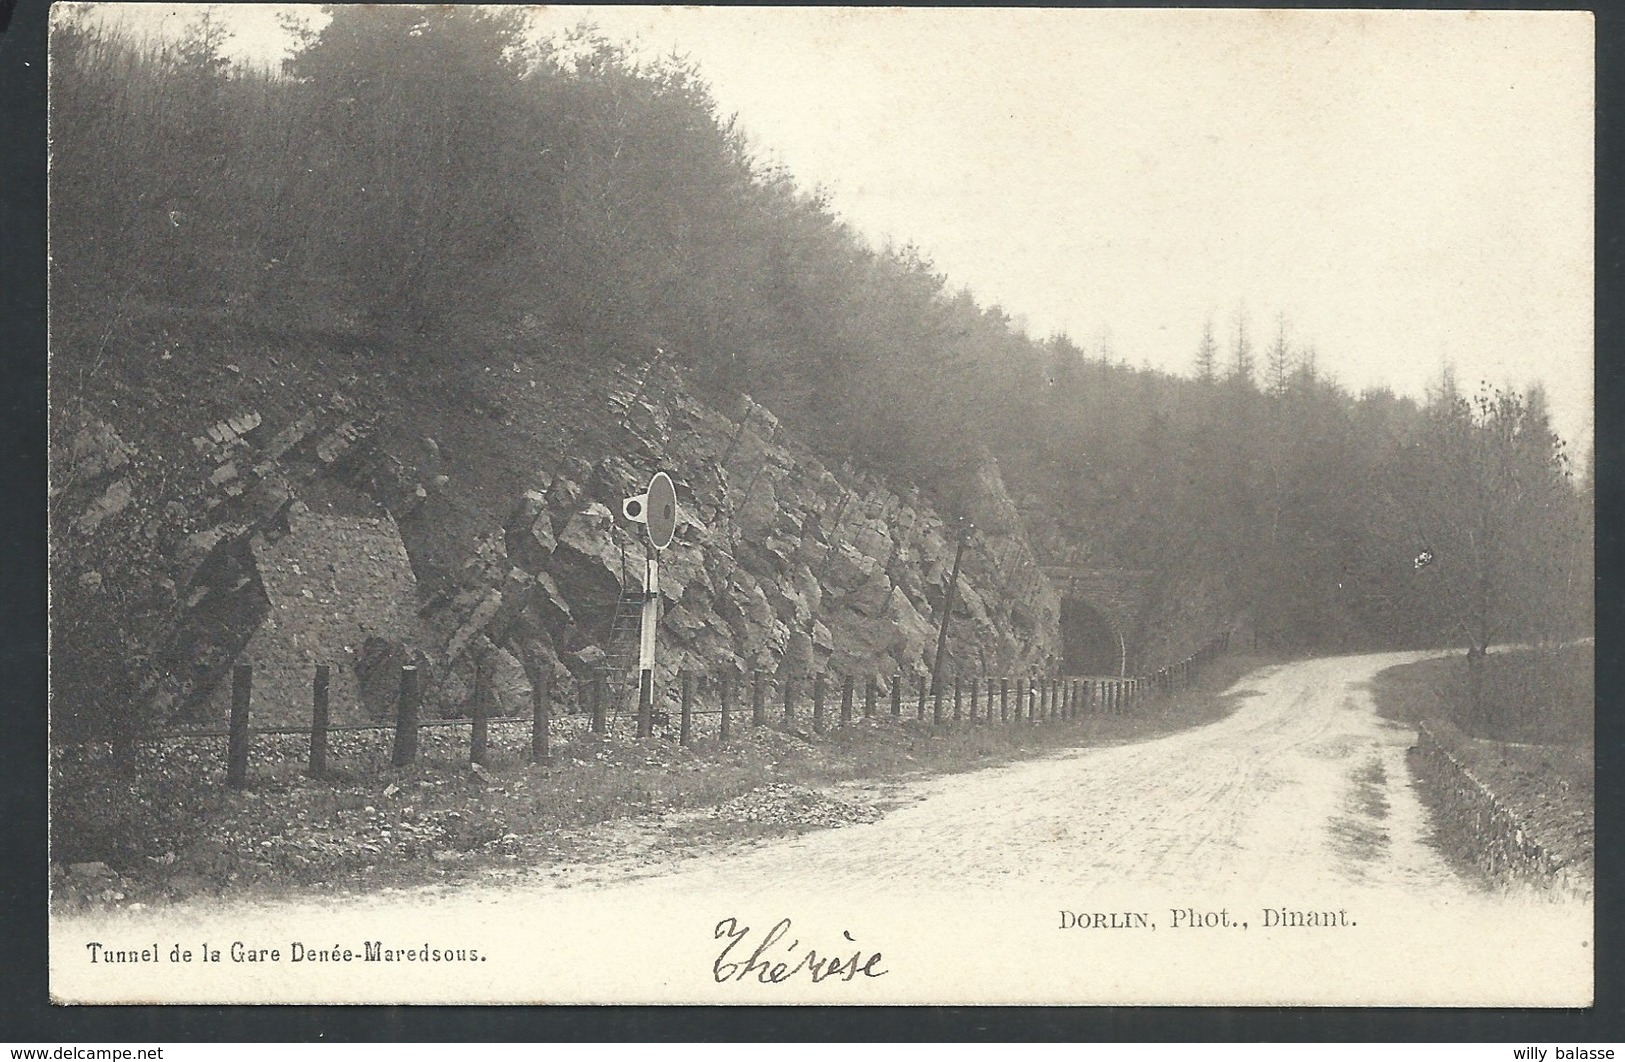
{"points": [[1278, 369], [430, 176], [1207, 354], [1241, 352]]}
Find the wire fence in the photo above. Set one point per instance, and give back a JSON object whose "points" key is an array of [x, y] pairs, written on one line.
{"points": [[704, 707]]}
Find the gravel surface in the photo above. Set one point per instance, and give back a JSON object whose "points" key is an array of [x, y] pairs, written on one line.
{"points": [[1302, 787], [1300, 799]]}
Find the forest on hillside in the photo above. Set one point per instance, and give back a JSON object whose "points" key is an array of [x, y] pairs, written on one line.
{"points": [[417, 177]]}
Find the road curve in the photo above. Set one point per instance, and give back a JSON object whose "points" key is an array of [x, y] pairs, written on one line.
{"points": [[1303, 786], [1300, 802]]}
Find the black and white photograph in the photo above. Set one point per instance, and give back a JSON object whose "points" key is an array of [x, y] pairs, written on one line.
{"points": [[820, 505]]}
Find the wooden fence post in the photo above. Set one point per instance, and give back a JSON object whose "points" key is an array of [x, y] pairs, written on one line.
{"points": [[846, 701], [318, 722], [922, 697], [1004, 700], [541, 696], [990, 702], [818, 703], [685, 726], [477, 738], [758, 702], [870, 685], [727, 706], [974, 686], [406, 718], [897, 696], [242, 691], [956, 697]]}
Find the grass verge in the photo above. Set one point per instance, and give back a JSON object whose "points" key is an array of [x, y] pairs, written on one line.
{"points": [[164, 827], [1549, 787]]}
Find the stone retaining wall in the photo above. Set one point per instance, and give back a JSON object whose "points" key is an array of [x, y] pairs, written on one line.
{"points": [[1473, 820]]}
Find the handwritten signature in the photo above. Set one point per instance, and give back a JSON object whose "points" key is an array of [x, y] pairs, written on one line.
{"points": [[775, 962]]}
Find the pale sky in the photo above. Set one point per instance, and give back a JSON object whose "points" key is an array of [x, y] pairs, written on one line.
{"points": [[1405, 187]]}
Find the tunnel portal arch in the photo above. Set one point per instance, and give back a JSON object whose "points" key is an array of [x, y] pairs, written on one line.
{"points": [[1090, 643], [1102, 612]]}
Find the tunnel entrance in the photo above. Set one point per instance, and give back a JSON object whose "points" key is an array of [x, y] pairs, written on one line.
{"points": [[1089, 644]]}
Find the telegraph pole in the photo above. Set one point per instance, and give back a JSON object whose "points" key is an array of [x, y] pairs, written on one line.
{"points": [[965, 528]]}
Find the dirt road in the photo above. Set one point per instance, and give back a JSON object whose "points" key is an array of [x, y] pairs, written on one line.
{"points": [[1303, 785], [1190, 862]]}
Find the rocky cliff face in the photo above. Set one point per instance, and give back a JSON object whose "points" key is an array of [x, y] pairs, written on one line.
{"points": [[778, 563], [161, 539]]}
